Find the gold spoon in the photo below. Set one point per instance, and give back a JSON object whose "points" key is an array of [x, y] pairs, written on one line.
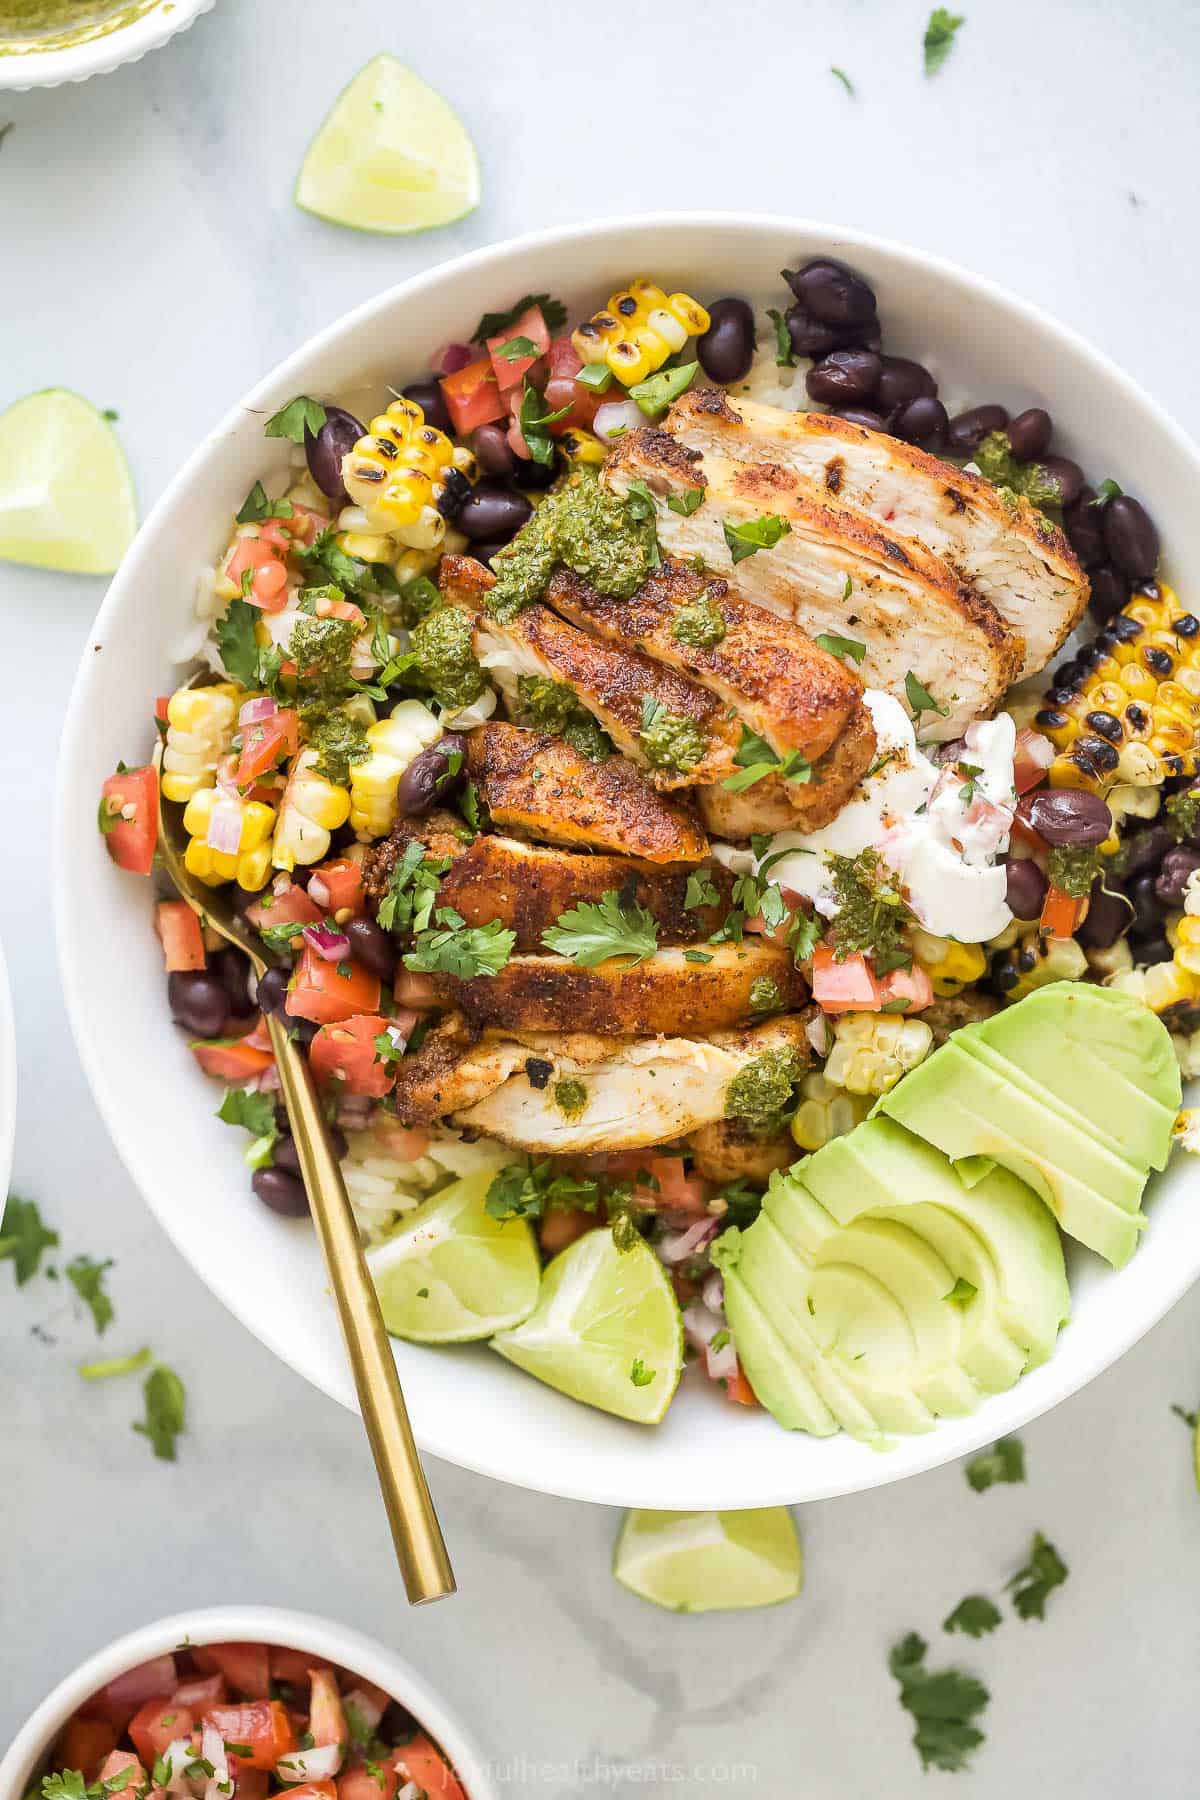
{"points": [[420, 1548]]}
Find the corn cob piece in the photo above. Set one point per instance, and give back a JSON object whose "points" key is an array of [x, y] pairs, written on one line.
{"points": [[201, 723], [250, 864], [1159, 987], [310, 810], [825, 1112], [871, 1051], [397, 474], [639, 329], [1128, 709], [395, 743], [950, 966], [1033, 961]]}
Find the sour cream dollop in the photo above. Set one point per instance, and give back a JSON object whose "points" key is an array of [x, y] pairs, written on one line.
{"points": [[941, 830]]}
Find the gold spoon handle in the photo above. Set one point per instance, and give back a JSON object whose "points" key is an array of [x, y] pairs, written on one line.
{"points": [[420, 1548]]}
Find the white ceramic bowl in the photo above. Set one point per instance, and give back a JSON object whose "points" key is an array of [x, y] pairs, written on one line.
{"points": [[25, 69], [468, 1405], [236, 1625], [8, 1080]]}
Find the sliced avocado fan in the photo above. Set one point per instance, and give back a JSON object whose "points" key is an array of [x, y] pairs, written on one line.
{"points": [[877, 1291]]}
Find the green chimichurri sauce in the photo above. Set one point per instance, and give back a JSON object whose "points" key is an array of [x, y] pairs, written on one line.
{"points": [[702, 624], [998, 465], [671, 741], [760, 1096], [551, 706], [584, 527], [570, 1097], [57, 24], [322, 650], [443, 644]]}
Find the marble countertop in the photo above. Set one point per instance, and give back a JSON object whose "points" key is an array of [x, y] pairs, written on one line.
{"points": [[153, 260]]}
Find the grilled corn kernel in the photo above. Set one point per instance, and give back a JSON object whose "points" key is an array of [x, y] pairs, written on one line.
{"points": [[311, 808], [1034, 961], [1187, 1053], [251, 862], [395, 743], [582, 449], [394, 473], [371, 547], [639, 329], [1110, 961], [201, 723], [950, 966], [628, 361], [871, 1051], [825, 1112]]}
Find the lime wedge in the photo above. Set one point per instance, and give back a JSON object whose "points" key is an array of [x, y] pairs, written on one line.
{"points": [[453, 1273], [606, 1329], [392, 156], [66, 496], [710, 1561]]}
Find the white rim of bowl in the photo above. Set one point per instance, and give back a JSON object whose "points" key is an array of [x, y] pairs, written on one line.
{"points": [[277, 1626], [25, 69], [1006, 1412]]}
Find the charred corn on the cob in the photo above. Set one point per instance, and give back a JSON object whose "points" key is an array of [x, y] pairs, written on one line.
{"points": [[639, 329], [1033, 961], [825, 1112], [871, 1051], [311, 808], [201, 723], [1129, 708], [397, 474], [950, 966], [395, 743], [208, 812]]}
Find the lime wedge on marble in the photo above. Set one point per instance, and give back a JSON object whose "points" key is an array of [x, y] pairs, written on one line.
{"points": [[452, 1273], [392, 156], [606, 1329], [66, 495], [710, 1561]]}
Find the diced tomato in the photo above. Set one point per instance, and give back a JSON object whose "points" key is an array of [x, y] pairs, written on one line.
{"points": [[676, 1192], [1060, 913], [343, 883], [201, 1691], [326, 1720], [158, 1724], [263, 558], [344, 1056], [530, 325], [417, 991], [305, 523], [292, 1666], [562, 389], [778, 933], [912, 985], [116, 1764], [848, 986], [238, 1061], [315, 1790], [357, 1782], [325, 608], [129, 819], [246, 1667], [405, 1142], [265, 742], [1033, 757], [424, 1763], [739, 1390], [1023, 831], [260, 1727], [473, 396], [85, 1744], [179, 932], [327, 993], [160, 708], [248, 1783], [562, 1226], [291, 906]]}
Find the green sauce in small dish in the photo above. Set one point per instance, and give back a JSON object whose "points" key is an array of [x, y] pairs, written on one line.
{"points": [[35, 25]]}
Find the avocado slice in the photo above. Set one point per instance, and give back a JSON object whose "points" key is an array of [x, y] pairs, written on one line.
{"points": [[778, 1379]]}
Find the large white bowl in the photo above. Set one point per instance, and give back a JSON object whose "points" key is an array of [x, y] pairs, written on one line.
{"points": [[21, 70], [467, 1405], [239, 1625]]}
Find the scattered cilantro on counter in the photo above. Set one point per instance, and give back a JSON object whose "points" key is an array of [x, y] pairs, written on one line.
{"points": [[975, 1615], [1005, 1461], [24, 1237], [87, 1278], [943, 1705], [1032, 1584], [166, 1411], [939, 37], [116, 1365], [841, 75]]}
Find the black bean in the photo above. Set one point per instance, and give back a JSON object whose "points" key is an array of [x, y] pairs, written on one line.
{"points": [[1131, 537], [922, 421], [1147, 912], [832, 292], [1108, 915], [456, 490], [726, 349], [244, 899], [493, 451], [1026, 887], [272, 990], [1110, 592], [535, 475], [427, 781], [1178, 863], [324, 452], [1029, 434], [844, 375], [1151, 950], [493, 511], [1066, 475], [1085, 529], [862, 415], [1069, 816], [859, 337], [232, 970], [429, 397], [281, 1191], [901, 381], [810, 337], [372, 947], [967, 430], [1145, 850], [198, 1002]]}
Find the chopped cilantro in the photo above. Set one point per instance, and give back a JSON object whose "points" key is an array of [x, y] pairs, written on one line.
{"points": [[24, 1237], [840, 646], [553, 312], [685, 504], [116, 1365], [299, 416], [595, 931], [872, 913], [939, 37], [166, 1411], [516, 348], [257, 505], [760, 1095], [1005, 1461], [921, 700], [962, 1293], [412, 889], [1183, 813], [700, 891], [765, 996], [942, 1705], [640, 1375], [756, 759], [700, 625], [554, 706], [841, 75], [1073, 869], [87, 1278], [518, 1192], [465, 951], [670, 740], [570, 1097], [1032, 1584], [237, 644], [1108, 490], [535, 422], [975, 1615], [785, 351], [753, 535]]}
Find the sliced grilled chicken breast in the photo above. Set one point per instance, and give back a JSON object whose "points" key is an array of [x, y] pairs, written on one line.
{"points": [[775, 805], [725, 1151], [795, 696], [835, 571], [612, 682], [1006, 548], [527, 886], [666, 993], [535, 783], [646, 1092]]}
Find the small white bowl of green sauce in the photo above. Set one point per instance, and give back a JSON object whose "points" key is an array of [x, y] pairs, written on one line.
{"points": [[44, 43]]}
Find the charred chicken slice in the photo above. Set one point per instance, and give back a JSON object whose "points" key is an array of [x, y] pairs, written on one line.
{"points": [[775, 805], [726, 1151], [1009, 551]]}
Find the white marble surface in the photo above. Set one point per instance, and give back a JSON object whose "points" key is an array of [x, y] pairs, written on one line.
{"points": [[153, 260]]}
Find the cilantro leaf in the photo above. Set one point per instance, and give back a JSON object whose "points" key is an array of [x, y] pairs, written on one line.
{"points": [[804, 934], [411, 890], [656, 393], [920, 699], [1005, 1461], [639, 501], [116, 1365], [976, 1615], [640, 1375], [840, 646], [166, 1411], [939, 37], [297, 417], [518, 1192], [753, 535], [841, 75], [700, 891], [465, 951], [962, 1293], [534, 424], [254, 1112], [755, 759], [87, 1278], [1190, 1419], [258, 506], [685, 504], [23, 1237], [516, 348], [785, 350], [942, 1705], [237, 645], [592, 932], [492, 324], [1032, 1584], [1108, 490]]}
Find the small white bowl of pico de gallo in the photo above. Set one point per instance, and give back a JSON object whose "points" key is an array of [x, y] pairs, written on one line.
{"points": [[244, 1703]]}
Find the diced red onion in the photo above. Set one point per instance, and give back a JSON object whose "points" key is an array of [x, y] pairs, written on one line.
{"points": [[452, 357], [354, 1111], [616, 417], [146, 1682], [267, 1081], [410, 1791], [260, 708], [817, 1033], [321, 1763], [713, 1292], [722, 1364], [369, 1707], [331, 945], [177, 1755], [212, 1749], [676, 1246], [318, 892], [225, 826], [700, 1324]]}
